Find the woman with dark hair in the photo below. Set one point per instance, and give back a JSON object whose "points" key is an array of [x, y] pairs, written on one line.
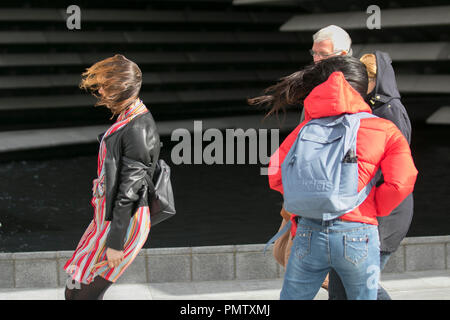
{"points": [[349, 244], [128, 152]]}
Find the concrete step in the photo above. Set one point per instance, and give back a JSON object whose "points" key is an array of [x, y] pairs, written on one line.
{"points": [[153, 37], [441, 116], [45, 138], [12, 60], [143, 16], [407, 83], [153, 78], [210, 263], [391, 18]]}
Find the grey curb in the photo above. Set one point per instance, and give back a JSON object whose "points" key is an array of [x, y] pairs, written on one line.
{"points": [[208, 263]]}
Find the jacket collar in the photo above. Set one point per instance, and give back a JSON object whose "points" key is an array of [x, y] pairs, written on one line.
{"points": [[334, 97], [134, 109]]}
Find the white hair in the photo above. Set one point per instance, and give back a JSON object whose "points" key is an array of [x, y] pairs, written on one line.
{"points": [[338, 36]]}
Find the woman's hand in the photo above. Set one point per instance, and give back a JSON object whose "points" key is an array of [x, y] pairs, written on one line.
{"points": [[114, 257], [285, 214]]}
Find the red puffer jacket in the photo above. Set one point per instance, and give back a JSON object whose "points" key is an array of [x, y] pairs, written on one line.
{"points": [[379, 144]]}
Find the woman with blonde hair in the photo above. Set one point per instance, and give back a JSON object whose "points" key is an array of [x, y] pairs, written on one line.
{"points": [[128, 152], [383, 98]]}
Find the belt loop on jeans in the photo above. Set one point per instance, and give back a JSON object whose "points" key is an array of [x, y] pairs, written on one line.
{"points": [[328, 223]]}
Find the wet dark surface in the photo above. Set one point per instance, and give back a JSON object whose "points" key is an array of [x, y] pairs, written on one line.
{"points": [[45, 204]]}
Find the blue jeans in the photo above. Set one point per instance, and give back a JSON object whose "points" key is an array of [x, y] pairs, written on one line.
{"points": [[352, 249], [336, 290]]}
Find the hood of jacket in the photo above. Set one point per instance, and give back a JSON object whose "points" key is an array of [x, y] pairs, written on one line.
{"points": [[386, 85], [334, 97]]}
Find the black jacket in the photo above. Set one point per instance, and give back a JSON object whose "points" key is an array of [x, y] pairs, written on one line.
{"points": [[385, 103], [131, 153]]}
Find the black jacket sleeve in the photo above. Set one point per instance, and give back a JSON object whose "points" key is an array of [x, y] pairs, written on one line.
{"points": [[134, 164]]}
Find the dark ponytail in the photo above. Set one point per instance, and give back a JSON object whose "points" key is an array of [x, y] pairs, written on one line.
{"points": [[293, 89]]}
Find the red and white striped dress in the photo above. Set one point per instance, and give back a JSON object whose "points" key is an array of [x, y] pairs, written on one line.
{"points": [[89, 259]]}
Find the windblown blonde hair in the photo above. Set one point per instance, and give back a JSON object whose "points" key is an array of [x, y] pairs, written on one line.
{"points": [[370, 61], [119, 78]]}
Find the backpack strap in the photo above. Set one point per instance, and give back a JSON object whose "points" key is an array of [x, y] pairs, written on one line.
{"points": [[286, 228], [364, 193]]}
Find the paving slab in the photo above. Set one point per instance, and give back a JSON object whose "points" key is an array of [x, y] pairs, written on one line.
{"points": [[418, 285]]}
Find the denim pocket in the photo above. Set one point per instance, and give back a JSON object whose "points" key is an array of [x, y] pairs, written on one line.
{"points": [[356, 247], [302, 243]]}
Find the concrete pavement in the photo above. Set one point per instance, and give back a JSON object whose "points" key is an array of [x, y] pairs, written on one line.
{"points": [[418, 285]]}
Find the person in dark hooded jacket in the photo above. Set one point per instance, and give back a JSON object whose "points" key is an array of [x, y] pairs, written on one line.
{"points": [[384, 99]]}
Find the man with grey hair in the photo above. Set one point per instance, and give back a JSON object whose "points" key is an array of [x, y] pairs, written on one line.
{"points": [[329, 42]]}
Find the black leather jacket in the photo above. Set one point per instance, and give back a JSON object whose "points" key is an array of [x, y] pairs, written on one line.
{"points": [[131, 153]]}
